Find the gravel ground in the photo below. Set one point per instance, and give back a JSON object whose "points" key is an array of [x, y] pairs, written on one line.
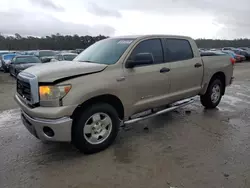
{"points": [[190, 147]]}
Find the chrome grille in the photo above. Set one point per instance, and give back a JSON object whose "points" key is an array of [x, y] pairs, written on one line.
{"points": [[23, 88], [27, 87]]}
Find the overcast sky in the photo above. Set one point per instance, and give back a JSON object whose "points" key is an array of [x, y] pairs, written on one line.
{"points": [[225, 19]]}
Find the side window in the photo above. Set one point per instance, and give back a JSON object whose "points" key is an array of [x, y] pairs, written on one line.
{"points": [[152, 46], [178, 50]]}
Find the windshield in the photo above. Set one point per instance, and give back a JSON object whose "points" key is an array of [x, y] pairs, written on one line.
{"points": [[46, 53], [106, 51], [69, 57], [9, 56], [27, 60]]}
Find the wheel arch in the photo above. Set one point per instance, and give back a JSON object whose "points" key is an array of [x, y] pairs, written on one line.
{"points": [[113, 100], [218, 75]]}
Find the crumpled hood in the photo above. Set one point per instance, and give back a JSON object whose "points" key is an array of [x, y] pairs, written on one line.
{"points": [[26, 65], [53, 71]]}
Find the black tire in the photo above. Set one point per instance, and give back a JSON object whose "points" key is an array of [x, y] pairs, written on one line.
{"points": [[78, 137], [206, 99]]}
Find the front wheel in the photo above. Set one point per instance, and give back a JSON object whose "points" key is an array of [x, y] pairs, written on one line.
{"points": [[213, 95], [95, 128]]}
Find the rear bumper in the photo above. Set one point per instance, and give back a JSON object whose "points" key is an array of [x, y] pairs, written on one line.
{"points": [[61, 128]]}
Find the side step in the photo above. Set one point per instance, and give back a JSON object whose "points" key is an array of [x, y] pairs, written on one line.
{"points": [[173, 107]]}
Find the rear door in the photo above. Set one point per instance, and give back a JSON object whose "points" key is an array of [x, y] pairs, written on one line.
{"points": [[186, 70], [148, 84]]}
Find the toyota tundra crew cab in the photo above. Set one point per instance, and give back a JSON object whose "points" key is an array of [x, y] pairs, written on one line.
{"points": [[112, 82]]}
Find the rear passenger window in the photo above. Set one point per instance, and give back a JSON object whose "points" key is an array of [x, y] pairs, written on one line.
{"points": [[152, 46], [178, 50]]}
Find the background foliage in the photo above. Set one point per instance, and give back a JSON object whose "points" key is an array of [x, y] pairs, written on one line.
{"points": [[67, 42], [53, 42]]}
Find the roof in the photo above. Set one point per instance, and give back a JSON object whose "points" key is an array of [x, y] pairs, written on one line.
{"points": [[153, 35]]}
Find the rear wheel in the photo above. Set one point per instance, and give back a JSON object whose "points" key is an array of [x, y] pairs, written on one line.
{"points": [[213, 95], [95, 128]]}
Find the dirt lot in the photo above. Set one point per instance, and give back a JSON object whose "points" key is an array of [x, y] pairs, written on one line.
{"points": [[190, 147]]}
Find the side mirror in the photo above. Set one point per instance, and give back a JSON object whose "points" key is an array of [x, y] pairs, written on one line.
{"points": [[140, 59]]}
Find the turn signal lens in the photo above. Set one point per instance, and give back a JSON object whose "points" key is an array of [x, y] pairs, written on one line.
{"points": [[44, 90], [53, 92], [67, 89]]}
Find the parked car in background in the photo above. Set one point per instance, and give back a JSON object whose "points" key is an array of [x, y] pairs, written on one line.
{"points": [[212, 53], [245, 48], [73, 51], [64, 57], [218, 53], [22, 62], [79, 50], [1, 54], [214, 49], [237, 57], [243, 52], [30, 52], [45, 55], [57, 52], [6, 59], [228, 48]]}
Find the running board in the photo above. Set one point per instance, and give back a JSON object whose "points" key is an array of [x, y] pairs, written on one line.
{"points": [[173, 107]]}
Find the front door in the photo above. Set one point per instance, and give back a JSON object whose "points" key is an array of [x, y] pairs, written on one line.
{"points": [[150, 83]]}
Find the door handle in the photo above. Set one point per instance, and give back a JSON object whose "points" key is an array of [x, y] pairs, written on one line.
{"points": [[197, 65], [164, 69]]}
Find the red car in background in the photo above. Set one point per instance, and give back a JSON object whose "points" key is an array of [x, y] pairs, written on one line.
{"points": [[237, 57], [240, 58]]}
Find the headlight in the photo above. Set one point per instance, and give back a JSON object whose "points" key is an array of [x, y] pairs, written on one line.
{"points": [[50, 93]]}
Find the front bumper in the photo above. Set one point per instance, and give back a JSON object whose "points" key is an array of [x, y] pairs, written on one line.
{"points": [[45, 112], [38, 120], [61, 128]]}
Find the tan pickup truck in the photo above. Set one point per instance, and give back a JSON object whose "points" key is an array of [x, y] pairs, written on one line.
{"points": [[85, 101]]}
